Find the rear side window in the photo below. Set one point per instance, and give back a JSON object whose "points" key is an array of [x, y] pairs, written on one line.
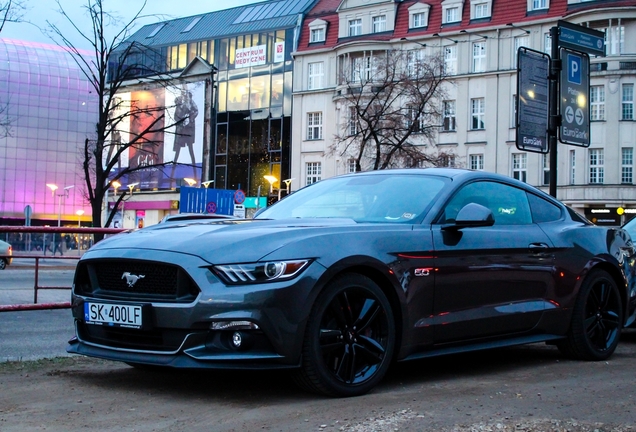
{"points": [[543, 210]]}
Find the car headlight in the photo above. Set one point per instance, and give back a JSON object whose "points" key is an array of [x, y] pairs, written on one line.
{"points": [[272, 271]]}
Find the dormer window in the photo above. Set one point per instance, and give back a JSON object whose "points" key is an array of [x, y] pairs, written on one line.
{"points": [[317, 31], [452, 11], [480, 9], [418, 15], [534, 5]]}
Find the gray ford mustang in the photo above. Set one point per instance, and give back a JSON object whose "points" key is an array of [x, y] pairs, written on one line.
{"points": [[347, 275]]}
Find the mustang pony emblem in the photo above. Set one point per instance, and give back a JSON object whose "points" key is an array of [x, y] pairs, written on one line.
{"points": [[131, 278]]}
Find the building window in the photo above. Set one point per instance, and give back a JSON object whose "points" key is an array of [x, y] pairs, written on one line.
{"points": [[546, 169], [597, 170], [413, 117], [450, 60], [317, 35], [476, 162], [415, 59], [513, 112], [313, 172], [614, 40], [355, 27], [477, 110], [419, 20], [353, 121], [449, 116], [452, 15], [351, 165], [538, 4], [627, 97], [597, 103], [520, 166], [520, 41], [547, 43], [479, 56], [316, 73], [627, 165], [572, 167], [379, 24], [314, 126], [481, 11], [361, 69]]}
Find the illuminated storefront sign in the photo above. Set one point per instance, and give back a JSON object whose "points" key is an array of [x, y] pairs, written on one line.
{"points": [[253, 56]]}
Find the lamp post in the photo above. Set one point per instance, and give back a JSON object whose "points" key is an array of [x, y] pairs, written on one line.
{"points": [[123, 203], [79, 214], [207, 183], [287, 187], [64, 194], [190, 181], [271, 179]]}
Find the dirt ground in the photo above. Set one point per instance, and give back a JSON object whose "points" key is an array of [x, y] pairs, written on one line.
{"points": [[531, 388]]}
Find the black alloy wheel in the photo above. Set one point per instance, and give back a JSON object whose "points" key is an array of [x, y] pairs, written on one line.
{"points": [[597, 319], [350, 338]]}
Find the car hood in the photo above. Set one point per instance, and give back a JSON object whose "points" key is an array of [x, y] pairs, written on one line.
{"points": [[222, 241]]}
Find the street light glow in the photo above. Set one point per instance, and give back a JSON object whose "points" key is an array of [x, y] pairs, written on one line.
{"points": [[190, 181]]}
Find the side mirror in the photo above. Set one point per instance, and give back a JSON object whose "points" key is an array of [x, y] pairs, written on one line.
{"points": [[472, 215]]}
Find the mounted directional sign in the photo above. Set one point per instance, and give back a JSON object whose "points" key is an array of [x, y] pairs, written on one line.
{"points": [[581, 38], [532, 100], [575, 106]]}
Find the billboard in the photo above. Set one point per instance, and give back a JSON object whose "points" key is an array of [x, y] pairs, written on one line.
{"points": [[166, 126]]}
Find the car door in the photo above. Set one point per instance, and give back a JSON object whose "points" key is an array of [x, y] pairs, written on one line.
{"points": [[489, 280]]}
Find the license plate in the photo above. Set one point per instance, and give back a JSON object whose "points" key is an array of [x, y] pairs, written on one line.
{"points": [[115, 315]]}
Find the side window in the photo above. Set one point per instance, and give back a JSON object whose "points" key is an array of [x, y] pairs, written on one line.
{"points": [[509, 205], [543, 210]]}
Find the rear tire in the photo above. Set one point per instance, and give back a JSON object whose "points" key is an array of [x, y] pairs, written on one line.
{"points": [[349, 340], [597, 319]]}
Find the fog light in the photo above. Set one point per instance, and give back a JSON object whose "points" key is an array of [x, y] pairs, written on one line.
{"points": [[237, 339]]}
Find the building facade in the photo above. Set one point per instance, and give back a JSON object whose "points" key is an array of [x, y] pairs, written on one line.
{"points": [[48, 106], [477, 41]]}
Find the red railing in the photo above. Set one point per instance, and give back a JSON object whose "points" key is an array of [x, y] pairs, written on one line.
{"points": [[33, 251]]}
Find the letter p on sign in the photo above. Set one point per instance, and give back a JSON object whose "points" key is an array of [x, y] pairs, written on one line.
{"points": [[574, 69]]}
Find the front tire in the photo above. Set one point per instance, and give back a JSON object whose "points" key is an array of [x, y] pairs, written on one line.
{"points": [[597, 319], [349, 340]]}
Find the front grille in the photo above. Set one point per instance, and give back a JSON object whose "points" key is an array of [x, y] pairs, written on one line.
{"points": [[134, 280]]}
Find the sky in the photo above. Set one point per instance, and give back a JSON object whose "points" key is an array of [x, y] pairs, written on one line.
{"points": [[39, 11]]}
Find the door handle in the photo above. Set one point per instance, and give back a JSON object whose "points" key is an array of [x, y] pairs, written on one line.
{"points": [[538, 247]]}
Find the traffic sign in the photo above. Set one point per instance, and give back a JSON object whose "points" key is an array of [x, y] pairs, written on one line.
{"points": [[211, 207], [575, 106], [239, 196], [532, 101], [581, 38]]}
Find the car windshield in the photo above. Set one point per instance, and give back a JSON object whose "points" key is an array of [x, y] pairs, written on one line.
{"points": [[398, 198]]}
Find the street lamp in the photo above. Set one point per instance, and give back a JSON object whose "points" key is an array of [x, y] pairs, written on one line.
{"points": [[61, 194], [79, 214], [271, 179], [190, 181], [123, 203], [207, 183]]}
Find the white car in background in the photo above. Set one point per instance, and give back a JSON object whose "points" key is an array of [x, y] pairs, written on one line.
{"points": [[6, 252]]}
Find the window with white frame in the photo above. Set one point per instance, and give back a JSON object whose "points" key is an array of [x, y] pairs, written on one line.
{"points": [[419, 20], [450, 60], [418, 15], [316, 73], [627, 104], [614, 39], [451, 15], [481, 10], [355, 27], [415, 59], [546, 168], [572, 167], [314, 125], [597, 103], [379, 24], [317, 35], [547, 43], [476, 162], [449, 124], [597, 168], [352, 127], [351, 165], [415, 120], [361, 68], [627, 165], [479, 56], [477, 112], [313, 172], [538, 4], [513, 112], [520, 41], [520, 166], [447, 160]]}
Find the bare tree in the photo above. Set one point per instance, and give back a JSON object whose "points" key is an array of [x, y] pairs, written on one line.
{"points": [[10, 11], [110, 64], [392, 103]]}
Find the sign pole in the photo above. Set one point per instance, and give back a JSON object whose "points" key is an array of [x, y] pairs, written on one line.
{"points": [[555, 118]]}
